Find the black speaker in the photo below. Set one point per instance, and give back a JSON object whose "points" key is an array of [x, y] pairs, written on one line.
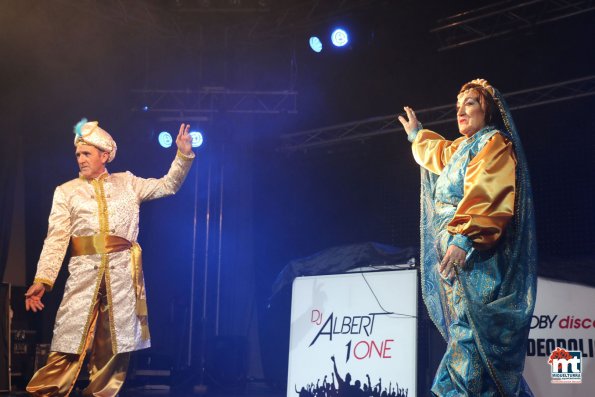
{"points": [[23, 343], [4, 337]]}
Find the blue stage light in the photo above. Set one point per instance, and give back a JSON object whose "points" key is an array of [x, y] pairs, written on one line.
{"points": [[315, 44], [339, 38], [145, 108], [196, 138], [165, 139]]}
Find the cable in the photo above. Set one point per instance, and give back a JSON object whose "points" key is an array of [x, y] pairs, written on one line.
{"points": [[396, 315]]}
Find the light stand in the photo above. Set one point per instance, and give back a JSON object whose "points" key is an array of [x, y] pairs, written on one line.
{"points": [[201, 387]]}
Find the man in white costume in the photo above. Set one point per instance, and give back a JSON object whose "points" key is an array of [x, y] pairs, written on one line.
{"points": [[103, 309]]}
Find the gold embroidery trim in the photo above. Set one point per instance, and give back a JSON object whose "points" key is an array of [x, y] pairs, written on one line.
{"points": [[101, 205], [102, 213], [110, 307], [423, 269]]}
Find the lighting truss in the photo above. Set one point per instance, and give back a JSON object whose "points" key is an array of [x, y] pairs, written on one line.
{"points": [[208, 101], [222, 6], [268, 19], [137, 14], [503, 18], [296, 15], [367, 128]]}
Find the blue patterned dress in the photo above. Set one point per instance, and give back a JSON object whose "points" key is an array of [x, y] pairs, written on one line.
{"points": [[476, 195]]}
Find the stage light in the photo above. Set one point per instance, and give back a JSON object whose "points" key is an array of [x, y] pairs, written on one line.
{"points": [[315, 44], [165, 139], [145, 108], [339, 38], [196, 138]]}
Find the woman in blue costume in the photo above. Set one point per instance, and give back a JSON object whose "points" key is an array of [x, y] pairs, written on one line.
{"points": [[478, 247]]}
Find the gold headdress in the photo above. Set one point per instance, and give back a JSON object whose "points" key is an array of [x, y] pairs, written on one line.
{"points": [[484, 83]]}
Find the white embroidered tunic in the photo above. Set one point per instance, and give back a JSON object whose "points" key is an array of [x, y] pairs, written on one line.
{"points": [[108, 204]]}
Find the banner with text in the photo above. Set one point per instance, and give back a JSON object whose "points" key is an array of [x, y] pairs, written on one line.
{"points": [[561, 341], [355, 332]]}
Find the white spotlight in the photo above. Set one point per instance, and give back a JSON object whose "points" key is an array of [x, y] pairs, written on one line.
{"points": [[165, 139], [339, 38], [197, 138], [315, 44]]}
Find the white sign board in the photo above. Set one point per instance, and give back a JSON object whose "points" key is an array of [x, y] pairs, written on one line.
{"points": [[366, 321], [564, 318]]}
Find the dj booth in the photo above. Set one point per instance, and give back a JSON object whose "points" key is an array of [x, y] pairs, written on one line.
{"points": [[354, 330], [369, 323]]}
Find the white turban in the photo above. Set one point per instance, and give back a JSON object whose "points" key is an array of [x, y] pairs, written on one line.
{"points": [[89, 133]]}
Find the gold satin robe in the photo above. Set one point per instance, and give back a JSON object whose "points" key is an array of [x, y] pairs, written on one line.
{"points": [[487, 203], [108, 204]]}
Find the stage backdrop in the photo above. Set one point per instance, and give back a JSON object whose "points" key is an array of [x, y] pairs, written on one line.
{"points": [[366, 321], [564, 317]]}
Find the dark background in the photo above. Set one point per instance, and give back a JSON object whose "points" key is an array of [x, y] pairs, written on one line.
{"points": [[62, 60]]}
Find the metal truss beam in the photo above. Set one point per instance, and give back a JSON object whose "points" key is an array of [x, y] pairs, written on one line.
{"points": [[141, 15], [204, 103], [295, 15], [503, 18], [222, 6], [248, 21], [367, 128]]}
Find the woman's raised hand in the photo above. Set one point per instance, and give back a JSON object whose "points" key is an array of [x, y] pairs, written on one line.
{"points": [[410, 124]]}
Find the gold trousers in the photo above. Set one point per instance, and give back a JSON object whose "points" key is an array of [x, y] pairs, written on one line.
{"points": [[107, 371]]}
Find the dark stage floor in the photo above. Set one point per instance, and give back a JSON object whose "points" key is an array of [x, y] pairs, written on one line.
{"points": [[251, 390]]}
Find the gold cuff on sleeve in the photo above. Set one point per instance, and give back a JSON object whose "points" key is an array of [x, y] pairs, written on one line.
{"points": [[185, 157], [48, 284]]}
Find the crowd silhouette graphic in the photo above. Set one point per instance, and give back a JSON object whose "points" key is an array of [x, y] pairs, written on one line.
{"points": [[344, 387]]}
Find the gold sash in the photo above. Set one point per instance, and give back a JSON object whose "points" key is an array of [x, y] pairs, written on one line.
{"points": [[106, 244], [98, 244]]}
